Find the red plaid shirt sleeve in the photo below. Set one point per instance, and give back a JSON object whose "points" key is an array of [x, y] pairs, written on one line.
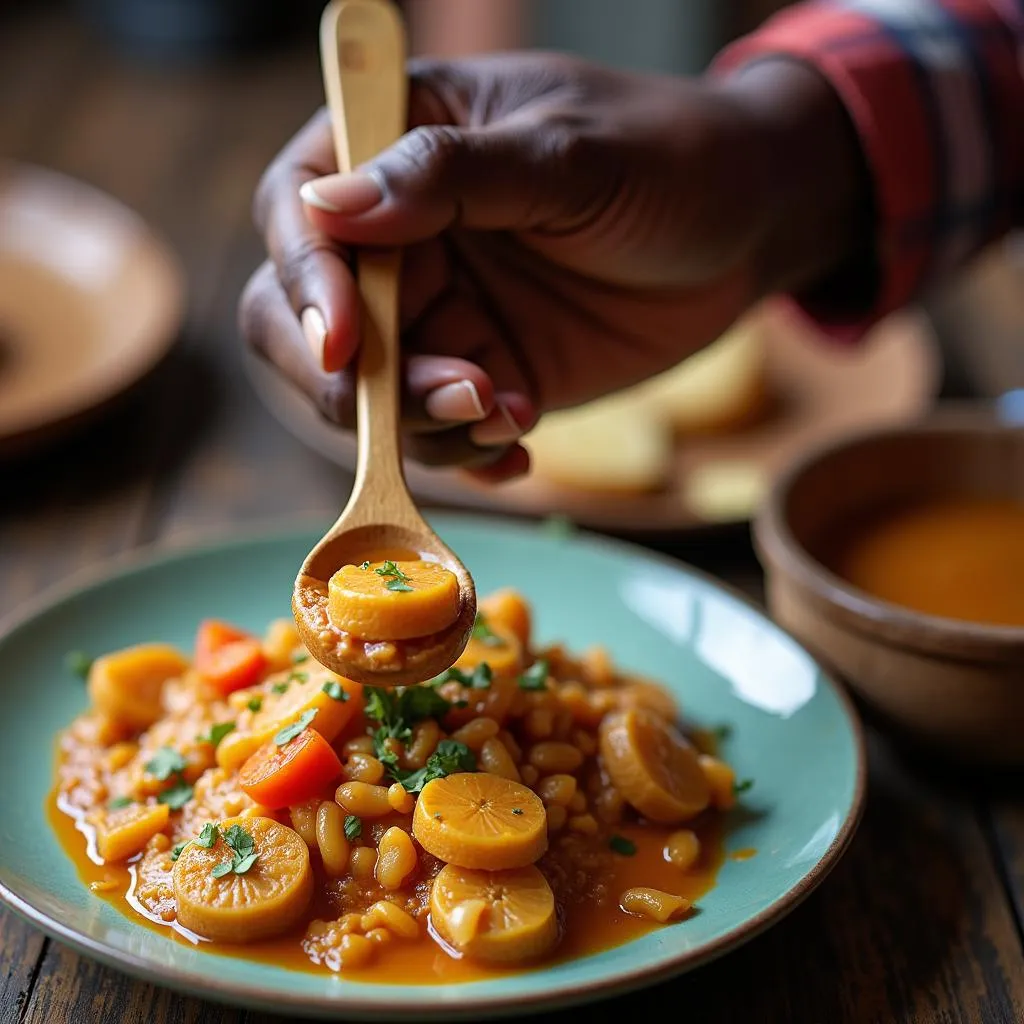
{"points": [[935, 89]]}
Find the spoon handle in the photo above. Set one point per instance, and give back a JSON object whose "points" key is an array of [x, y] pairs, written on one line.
{"points": [[362, 46]]}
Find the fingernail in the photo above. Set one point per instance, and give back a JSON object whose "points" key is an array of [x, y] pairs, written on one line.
{"points": [[350, 194], [499, 428], [458, 402], [315, 330]]}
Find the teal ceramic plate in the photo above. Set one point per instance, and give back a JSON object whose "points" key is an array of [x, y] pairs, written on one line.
{"points": [[793, 733]]}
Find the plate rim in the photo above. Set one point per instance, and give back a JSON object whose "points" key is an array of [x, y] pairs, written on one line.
{"points": [[198, 541]]}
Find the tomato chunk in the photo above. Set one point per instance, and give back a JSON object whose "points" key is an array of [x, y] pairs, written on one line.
{"points": [[228, 658], [280, 776]]}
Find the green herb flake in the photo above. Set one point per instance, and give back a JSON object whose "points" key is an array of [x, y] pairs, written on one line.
{"points": [[479, 679], [298, 677], [243, 852], [364, 565], [353, 827], [622, 845], [398, 587], [118, 802], [390, 569], [743, 786], [483, 632], [245, 863], [299, 658], [535, 677], [517, 810], [279, 687], [177, 796], [179, 849], [255, 704], [165, 763], [222, 869], [208, 837], [449, 757], [289, 732], [78, 663], [335, 690], [216, 734]]}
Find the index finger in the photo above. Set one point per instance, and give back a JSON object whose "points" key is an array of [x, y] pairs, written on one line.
{"points": [[313, 268]]}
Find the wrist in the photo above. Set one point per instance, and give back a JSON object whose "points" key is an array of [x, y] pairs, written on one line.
{"points": [[809, 178]]}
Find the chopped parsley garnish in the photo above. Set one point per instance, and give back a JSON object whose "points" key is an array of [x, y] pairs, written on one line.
{"points": [[517, 810], [217, 733], [298, 677], [535, 677], [622, 845], [299, 657], [243, 852], [353, 826], [279, 687], [208, 836], [289, 732], [335, 690], [483, 632], [449, 757], [743, 785], [396, 580], [177, 851], [255, 704], [364, 565], [165, 763], [479, 679], [118, 802], [78, 663], [177, 796]]}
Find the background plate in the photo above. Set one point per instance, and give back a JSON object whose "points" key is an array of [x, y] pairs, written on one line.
{"points": [[821, 390], [793, 733]]}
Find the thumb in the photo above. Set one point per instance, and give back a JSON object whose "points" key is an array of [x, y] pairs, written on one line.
{"points": [[509, 176]]}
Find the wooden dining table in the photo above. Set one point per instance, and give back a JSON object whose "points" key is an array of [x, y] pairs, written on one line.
{"points": [[920, 923]]}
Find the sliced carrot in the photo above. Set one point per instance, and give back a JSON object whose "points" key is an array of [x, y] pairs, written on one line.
{"points": [[509, 609], [393, 600], [652, 766], [228, 658], [479, 820], [127, 686], [494, 916], [285, 698], [123, 832], [282, 775]]}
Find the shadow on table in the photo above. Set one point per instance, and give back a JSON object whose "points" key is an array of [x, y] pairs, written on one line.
{"points": [[139, 438]]}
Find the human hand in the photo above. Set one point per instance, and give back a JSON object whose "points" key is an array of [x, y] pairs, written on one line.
{"points": [[568, 230]]}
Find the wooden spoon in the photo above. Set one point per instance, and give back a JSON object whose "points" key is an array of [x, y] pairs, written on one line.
{"points": [[363, 53]]}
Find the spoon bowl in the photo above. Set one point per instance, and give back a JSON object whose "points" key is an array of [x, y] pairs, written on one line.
{"points": [[363, 52]]}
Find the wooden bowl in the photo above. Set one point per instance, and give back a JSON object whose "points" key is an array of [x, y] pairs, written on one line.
{"points": [[958, 686]]}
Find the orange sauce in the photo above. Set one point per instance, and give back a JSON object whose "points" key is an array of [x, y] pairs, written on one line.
{"points": [[587, 927], [955, 558]]}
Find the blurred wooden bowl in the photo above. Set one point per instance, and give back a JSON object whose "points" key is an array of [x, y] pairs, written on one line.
{"points": [[90, 301], [958, 686]]}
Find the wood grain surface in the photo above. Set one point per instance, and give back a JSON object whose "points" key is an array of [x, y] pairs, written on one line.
{"points": [[921, 922]]}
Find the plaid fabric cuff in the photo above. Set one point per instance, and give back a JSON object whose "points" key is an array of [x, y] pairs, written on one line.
{"points": [[936, 93]]}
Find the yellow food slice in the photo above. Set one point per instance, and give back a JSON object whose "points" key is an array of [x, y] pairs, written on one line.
{"points": [[375, 607], [612, 445], [509, 609], [494, 916], [280, 642], [127, 686], [652, 766], [499, 647], [717, 389], [266, 900], [302, 690], [479, 820], [124, 832]]}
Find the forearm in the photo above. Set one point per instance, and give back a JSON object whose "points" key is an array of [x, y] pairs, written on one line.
{"points": [[935, 94]]}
